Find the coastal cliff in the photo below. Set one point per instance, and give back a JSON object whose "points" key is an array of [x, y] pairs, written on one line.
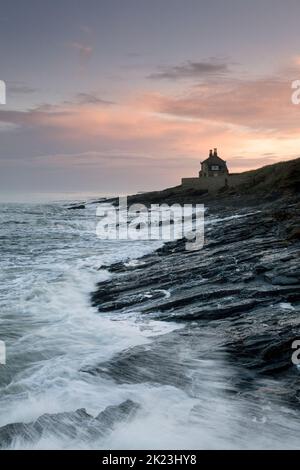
{"points": [[266, 185]]}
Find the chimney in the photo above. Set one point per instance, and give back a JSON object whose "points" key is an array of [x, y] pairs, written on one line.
{"points": [[210, 153], [215, 152]]}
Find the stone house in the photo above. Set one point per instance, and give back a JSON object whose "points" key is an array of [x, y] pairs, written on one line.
{"points": [[214, 175]]}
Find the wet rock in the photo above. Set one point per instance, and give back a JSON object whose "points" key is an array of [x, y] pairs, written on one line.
{"points": [[213, 311], [122, 267], [282, 280], [143, 364], [64, 424], [233, 287], [294, 234], [79, 206], [10, 432], [68, 425], [108, 418]]}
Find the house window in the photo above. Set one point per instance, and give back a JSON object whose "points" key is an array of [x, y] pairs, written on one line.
{"points": [[215, 167]]}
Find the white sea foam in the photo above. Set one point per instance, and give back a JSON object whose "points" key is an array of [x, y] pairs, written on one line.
{"points": [[50, 328], [286, 306]]}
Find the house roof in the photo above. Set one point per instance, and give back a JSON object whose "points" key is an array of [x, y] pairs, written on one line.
{"points": [[214, 160]]}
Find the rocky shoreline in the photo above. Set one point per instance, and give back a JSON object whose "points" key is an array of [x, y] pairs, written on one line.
{"points": [[244, 285], [235, 305]]}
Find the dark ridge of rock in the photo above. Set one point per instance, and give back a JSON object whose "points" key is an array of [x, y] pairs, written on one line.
{"points": [[260, 186], [11, 431], [101, 200], [206, 295], [63, 424], [114, 414], [293, 234], [79, 206], [123, 267], [68, 425], [143, 364], [212, 312]]}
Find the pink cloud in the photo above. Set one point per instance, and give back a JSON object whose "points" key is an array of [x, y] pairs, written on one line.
{"points": [[253, 121]]}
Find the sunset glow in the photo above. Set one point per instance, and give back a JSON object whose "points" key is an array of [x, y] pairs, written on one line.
{"points": [[129, 105]]}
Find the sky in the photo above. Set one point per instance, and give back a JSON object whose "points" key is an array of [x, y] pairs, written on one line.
{"points": [[120, 96]]}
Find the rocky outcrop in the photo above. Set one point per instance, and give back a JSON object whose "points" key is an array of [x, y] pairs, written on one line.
{"points": [[78, 206], [277, 182], [69, 425]]}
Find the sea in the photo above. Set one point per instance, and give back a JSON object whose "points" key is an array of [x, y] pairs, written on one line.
{"points": [[51, 261]]}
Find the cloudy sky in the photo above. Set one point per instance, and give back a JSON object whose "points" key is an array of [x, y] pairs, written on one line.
{"points": [[119, 96]]}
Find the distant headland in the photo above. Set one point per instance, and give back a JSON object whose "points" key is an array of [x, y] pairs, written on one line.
{"points": [[217, 187]]}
